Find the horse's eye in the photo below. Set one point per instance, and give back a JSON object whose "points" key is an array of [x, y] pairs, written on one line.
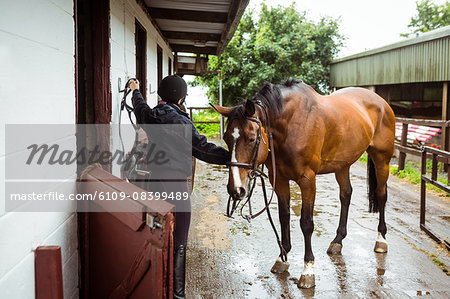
{"points": [[251, 140]]}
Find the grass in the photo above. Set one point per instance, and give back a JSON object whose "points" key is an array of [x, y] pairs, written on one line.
{"points": [[210, 130], [411, 173], [440, 264], [364, 158]]}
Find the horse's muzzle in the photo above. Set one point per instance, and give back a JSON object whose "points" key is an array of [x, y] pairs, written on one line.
{"points": [[238, 193]]}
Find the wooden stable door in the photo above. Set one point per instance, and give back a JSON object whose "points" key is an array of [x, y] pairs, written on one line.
{"points": [[128, 255]]}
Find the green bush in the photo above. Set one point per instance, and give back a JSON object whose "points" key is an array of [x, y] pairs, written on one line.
{"points": [[210, 130]]}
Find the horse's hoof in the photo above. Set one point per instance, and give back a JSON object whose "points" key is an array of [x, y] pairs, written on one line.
{"points": [[280, 266], [307, 281], [381, 247], [335, 248]]}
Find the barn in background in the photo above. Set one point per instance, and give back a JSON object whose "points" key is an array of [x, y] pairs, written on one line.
{"points": [[64, 62], [412, 75]]}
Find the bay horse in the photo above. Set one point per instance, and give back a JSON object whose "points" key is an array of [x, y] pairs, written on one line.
{"points": [[311, 134]]}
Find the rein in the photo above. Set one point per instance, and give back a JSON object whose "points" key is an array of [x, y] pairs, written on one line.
{"points": [[256, 173]]}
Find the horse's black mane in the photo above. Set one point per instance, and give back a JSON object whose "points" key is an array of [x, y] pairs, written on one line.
{"points": [[269, 95]]}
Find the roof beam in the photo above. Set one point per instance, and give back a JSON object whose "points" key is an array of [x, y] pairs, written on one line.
{"points": [[237, 8], [188, 15], [191, 35], [193, 49]]}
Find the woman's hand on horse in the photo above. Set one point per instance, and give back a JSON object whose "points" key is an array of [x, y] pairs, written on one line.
{"points": [[134, 84]]}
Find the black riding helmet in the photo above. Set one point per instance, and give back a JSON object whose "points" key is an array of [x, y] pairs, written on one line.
{"points": [[172, 88]]}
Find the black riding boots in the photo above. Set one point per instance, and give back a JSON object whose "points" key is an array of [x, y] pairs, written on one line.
{"points": [[179, 272]]}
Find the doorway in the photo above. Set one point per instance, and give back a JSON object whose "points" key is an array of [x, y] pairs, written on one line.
{"points": [[160, 63], [141, 57]]}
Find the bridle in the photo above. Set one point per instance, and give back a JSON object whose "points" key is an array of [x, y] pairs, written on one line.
{"points": [[134, 166], [123, 105], [256, 173]]}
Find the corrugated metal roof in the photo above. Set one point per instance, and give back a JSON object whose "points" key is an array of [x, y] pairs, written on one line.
{"points": [[422, 59]]}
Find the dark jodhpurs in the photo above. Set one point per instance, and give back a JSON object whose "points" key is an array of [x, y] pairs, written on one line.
{"points": [[182, 207]]}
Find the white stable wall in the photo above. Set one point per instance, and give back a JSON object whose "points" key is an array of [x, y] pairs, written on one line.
{"points": [[123, 50], [37, 86], [123, 62]]}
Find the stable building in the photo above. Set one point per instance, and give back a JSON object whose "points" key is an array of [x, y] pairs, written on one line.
{"points": [[412, 75]]}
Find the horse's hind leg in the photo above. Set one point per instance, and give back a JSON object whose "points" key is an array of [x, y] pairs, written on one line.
{"points": [[284, 213], [345, 193], [380, 160]]}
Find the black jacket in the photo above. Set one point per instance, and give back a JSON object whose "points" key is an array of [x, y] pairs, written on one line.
{"points": [[171, 114]]}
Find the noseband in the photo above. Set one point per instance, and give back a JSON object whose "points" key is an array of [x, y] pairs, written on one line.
{"points": [[254, 173]]}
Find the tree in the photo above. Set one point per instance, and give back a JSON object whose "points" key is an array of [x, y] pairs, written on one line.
{"points": [[429, 17], [279, 44]]}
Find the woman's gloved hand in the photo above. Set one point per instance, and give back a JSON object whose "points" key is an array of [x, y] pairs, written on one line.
{"points": [[134, 84]]}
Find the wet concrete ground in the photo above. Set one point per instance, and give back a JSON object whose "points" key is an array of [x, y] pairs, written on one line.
{"points": [[231, 258]]}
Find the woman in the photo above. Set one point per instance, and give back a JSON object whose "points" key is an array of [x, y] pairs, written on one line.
{"points": [[170, 110]]}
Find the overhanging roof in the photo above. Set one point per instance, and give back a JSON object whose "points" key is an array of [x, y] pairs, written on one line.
{"points": [[196, 26], [425, 37]]}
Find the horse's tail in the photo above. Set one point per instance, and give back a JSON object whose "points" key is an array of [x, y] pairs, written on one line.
{"points": [[372, 186]]}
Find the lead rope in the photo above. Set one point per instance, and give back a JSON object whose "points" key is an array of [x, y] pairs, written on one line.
{"points": [[255, 172], [261, 175], [283, 253]]}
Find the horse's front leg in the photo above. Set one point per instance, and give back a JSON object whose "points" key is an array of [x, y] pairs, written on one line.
{"points": [[308, 186], [283, 194]]}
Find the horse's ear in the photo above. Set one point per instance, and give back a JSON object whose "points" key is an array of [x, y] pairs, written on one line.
{"points": [[225, 111], [249, 108]]}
